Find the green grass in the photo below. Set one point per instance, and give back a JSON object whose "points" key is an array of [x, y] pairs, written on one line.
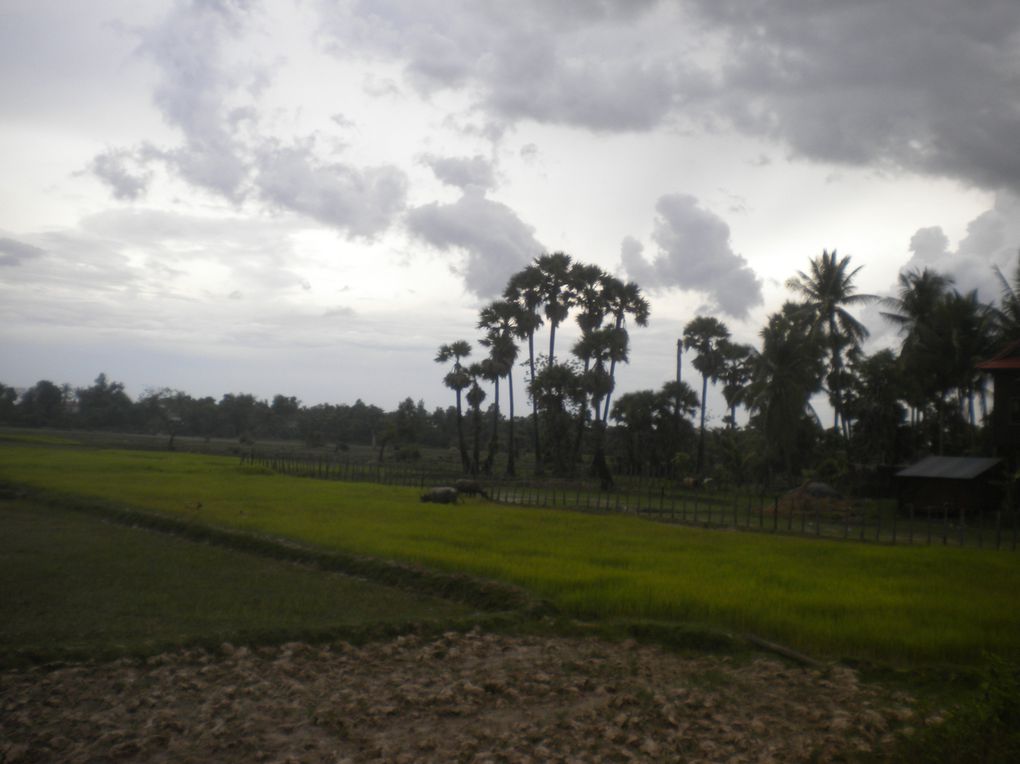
{"points": [[72, 585], [912, 605]]}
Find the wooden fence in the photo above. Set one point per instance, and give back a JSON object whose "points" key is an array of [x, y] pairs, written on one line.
{"points": [[664, 501]]}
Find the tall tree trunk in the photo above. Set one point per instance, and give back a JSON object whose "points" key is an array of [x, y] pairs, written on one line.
{"points": [[494, 439], [612, 377], [582, 420], [552, 341], [477, 418], [511, 458], [599, 465], [464, 461], [534, 407], [701, 431]]}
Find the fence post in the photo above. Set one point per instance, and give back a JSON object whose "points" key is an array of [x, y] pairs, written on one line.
{"points": [[775, 513], [945, 523]]}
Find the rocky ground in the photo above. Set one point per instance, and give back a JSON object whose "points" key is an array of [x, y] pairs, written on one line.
{"points": [[474, 697]]}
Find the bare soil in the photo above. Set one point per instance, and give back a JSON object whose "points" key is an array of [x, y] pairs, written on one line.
{"points": [[474, 697]]}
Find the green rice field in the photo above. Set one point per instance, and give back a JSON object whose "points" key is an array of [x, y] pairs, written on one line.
{"points": [[829, 598]]}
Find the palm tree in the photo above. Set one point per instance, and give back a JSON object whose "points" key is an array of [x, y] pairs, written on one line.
{"points": [[500, 321], [736, 373], [1007, 315], [457, 379], [784, 376], [475, 398], [557, 293], [705, 336], [587, 284], [624, 300], [913, 310], [827, 290], [524, 291]]}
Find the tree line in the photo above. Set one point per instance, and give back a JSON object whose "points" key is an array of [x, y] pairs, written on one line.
{"points": [[105, 406], [888, 407]]}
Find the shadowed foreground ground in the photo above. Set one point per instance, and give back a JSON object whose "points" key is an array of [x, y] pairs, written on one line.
{"points": [[460, 697]]}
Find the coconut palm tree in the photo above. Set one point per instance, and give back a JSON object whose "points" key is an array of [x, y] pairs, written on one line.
{"points": [[705, 335], [736, 373], [827, 290], [784, 375], [457, 379], [499, 320]]}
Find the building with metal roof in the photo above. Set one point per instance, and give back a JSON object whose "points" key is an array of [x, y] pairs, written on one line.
{"points": [[957, 484]]}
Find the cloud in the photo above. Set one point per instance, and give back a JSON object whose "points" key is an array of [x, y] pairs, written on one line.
{"points": [[463, 171], [124, 171], [197, 90], [919, 85], [694, 254], [361, 201], [496, 242], [992, 239], [13, 252], [922, 85]]}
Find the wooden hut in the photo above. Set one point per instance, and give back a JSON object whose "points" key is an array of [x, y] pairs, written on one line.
{"points": [[962, 484]]}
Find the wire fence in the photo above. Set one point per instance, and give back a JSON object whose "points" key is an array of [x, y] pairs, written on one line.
{"points": [[743, 509]]}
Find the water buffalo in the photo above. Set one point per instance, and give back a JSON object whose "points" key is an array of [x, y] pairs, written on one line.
{"points": [[440, 495]]}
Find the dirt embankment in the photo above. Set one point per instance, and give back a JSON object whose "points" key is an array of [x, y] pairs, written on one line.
{"points": [[472, 697]]}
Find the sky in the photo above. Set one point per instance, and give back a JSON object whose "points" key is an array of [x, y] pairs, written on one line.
{"points": [[308, 197]]}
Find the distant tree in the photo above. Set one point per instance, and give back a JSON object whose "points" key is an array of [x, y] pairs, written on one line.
{"points": [[283, 416], [43, 405], [622, 299], [827, 290], [557, 293], [705, 335], [524, 290], [8, 404], [785, 374], [105, 405], [475, 398], [500, 321], [167, 410], [735, 376], [560, 392], [458, 380]]}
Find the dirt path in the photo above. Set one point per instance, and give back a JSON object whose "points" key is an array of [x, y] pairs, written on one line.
{"points": [[472, 697]]}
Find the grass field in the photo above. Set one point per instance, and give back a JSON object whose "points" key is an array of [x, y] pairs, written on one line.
{"points": [[907, 605], [72, 585]]}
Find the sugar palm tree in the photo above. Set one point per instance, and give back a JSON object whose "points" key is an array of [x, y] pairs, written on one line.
{"points": [[827, 290], [624, 299], [457, 379], [524, 291], [557, 293], [499, 320], [475, 398], [705, 335]]}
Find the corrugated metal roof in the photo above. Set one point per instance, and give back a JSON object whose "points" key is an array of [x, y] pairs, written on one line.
{"points": [[950, 467]]}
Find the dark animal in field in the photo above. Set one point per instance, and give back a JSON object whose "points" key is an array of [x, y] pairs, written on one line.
{"points": [[440, 495], [470, 488], [694, 482], [814, 497]]}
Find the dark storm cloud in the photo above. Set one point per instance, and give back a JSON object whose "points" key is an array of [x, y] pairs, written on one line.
{"points": [[928, 85], [694, 254], [463, 171], [922, 85], [580, 64], [497, 242], [13, 252]]}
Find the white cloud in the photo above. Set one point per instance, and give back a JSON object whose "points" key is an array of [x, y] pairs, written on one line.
{"points": [[695, 253], [496, 242]]}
